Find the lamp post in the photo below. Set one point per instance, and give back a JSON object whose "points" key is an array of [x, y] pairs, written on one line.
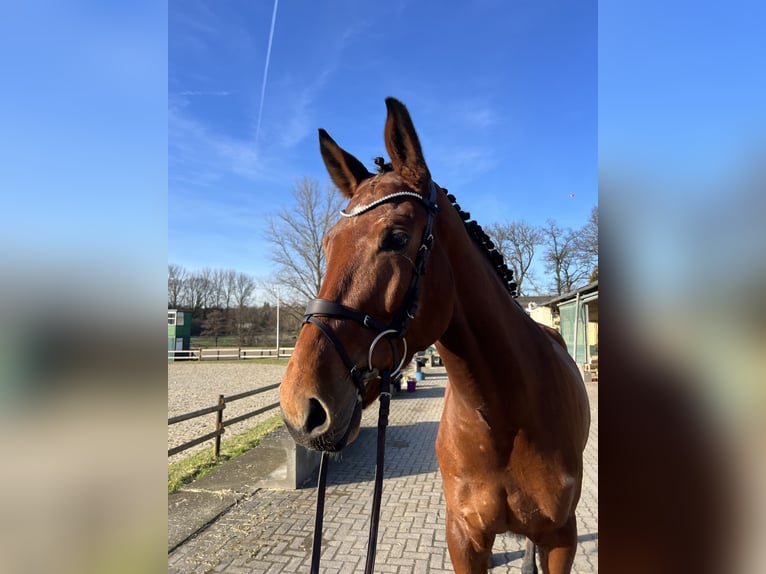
{"points": [[276, 290]]}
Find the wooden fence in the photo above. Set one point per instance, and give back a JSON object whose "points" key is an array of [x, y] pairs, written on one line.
{"points": [[228, 354], [220, 423]]}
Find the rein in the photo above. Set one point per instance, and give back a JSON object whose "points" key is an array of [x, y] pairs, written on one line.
{"points": [[360, 377], [372, 540]]}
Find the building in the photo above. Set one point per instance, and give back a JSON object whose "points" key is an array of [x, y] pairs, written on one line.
{"points": [[535, 307], [179, 331], [575, 316]]}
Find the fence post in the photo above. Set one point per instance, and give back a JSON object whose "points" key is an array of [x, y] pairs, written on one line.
{"points": [[219, 425]]}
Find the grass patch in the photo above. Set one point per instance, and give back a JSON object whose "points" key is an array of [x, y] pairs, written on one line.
{"points": [[258, 361], [210, 342], [200, 463]]}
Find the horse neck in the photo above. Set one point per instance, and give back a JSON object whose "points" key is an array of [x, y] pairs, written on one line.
{"points": [[490, 343]]}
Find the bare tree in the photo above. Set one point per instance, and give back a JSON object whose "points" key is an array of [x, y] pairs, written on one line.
{"points": [[198, 289], [217, 289], [243, 288], [296, 234], [563, 258], [588, 236], [215, 324], [517, 242], [176, 285], [205, 287], [229, 287], [587, 243]]}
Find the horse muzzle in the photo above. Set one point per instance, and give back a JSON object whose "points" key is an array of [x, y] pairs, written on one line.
{"points": [[319, 429]]}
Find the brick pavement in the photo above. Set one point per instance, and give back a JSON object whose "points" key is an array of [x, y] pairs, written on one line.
{"points": [[271, 531]]}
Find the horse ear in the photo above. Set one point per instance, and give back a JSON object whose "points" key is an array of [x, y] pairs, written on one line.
{"points": [[345, 170], [403, 145]]}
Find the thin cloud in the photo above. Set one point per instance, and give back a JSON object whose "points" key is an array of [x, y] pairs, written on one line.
{"points": [[197, 152], [297, 109], [463, 163], [204, 93], [480, 118], [266, 72], [475, 113], [290, 118], [194, 148]]}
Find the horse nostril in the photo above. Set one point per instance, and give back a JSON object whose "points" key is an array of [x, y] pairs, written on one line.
{"points": [[317, 415]]}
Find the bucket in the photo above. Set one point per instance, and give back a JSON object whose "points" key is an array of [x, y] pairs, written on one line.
{"points": [[420, 376], [411, 385]]}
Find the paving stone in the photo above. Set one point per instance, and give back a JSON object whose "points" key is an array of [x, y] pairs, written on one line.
{"points": [[271, 531]]}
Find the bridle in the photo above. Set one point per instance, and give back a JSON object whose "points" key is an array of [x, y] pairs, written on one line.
{"points": [[395, 331], [398, 328]]}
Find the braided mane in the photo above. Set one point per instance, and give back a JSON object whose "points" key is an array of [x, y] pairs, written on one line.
{"points": [[487, 247], [477, 234]]}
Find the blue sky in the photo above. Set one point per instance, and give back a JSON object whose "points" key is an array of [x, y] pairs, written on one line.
{"points": [[503, 95], [681, 87], [98, 108], [129, 131], [682, 145]]}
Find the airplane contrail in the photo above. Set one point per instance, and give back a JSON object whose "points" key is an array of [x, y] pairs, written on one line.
{"points": [[266, 72]]}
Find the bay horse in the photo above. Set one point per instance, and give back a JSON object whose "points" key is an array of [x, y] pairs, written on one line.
{"points": [[403, 266]]}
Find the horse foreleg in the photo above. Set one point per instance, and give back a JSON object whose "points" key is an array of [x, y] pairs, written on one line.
{"points": [[469, 549], [528, 565], [557, 549]]}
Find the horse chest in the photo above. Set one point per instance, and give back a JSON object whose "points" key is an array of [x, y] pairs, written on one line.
{"points": [[501, 488]]}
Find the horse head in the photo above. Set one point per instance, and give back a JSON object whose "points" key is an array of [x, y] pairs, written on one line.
{"points": [[376, 305]]}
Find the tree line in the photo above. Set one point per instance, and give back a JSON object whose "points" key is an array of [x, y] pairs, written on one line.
{"points": [[570, 256], [221, 300], [222, 304]]}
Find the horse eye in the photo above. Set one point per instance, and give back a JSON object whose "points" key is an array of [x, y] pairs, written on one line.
{"points": [[394, 241]]}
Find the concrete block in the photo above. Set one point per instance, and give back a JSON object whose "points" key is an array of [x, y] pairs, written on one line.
{"points": [[283, 463]]}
